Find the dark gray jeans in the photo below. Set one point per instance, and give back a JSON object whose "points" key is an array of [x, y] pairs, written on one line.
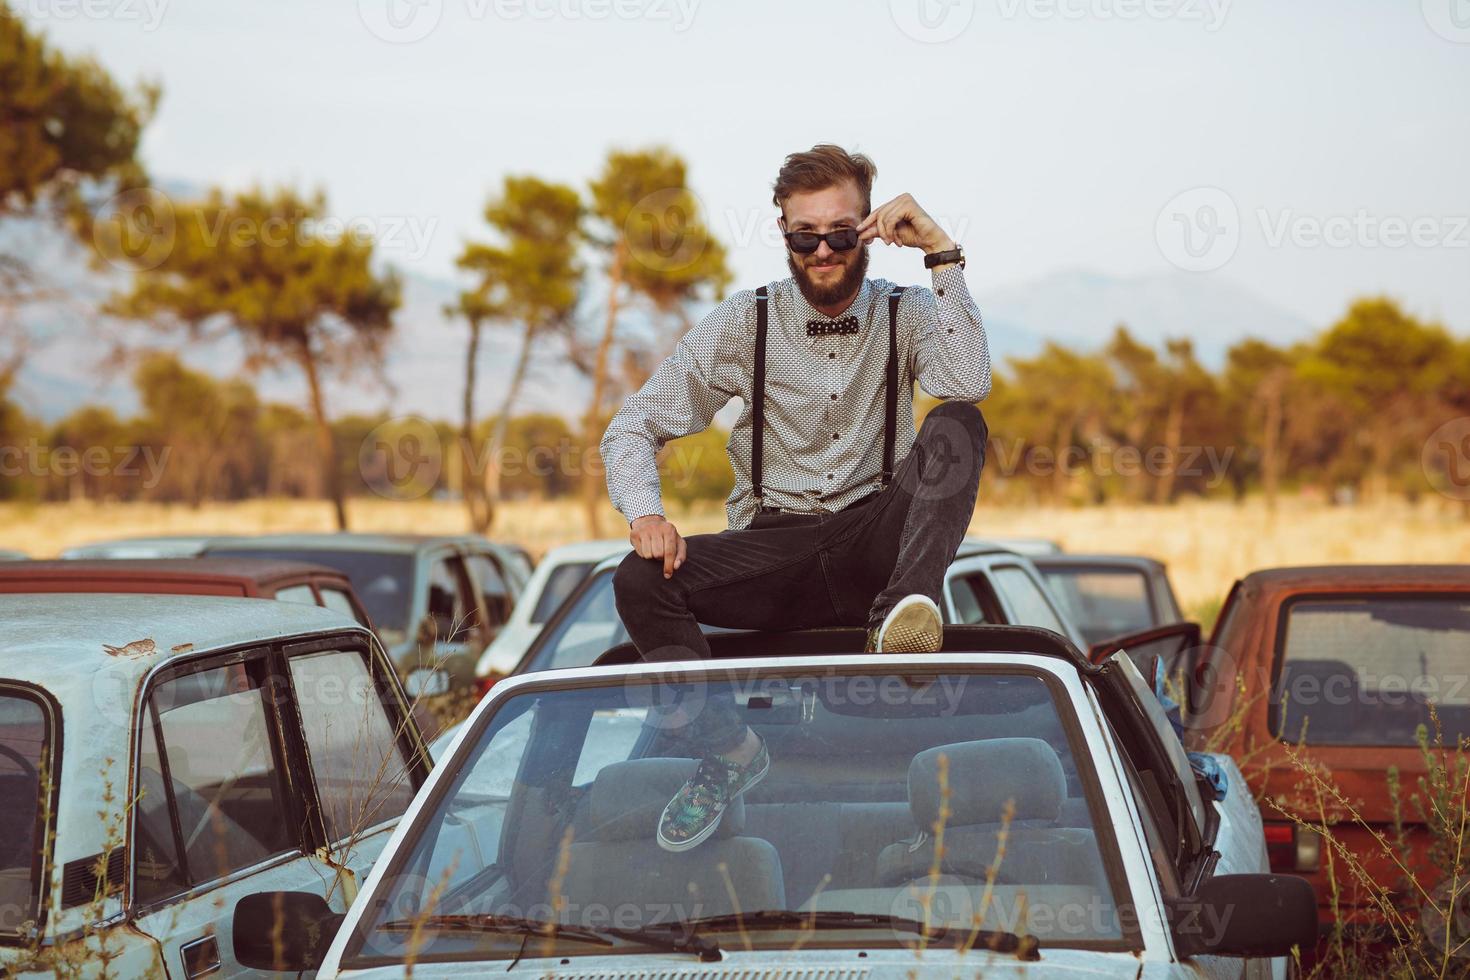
{"points": [[804, 571]]}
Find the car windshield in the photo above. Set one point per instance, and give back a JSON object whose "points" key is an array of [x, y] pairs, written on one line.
{"points": [[382, 580], [1367, 670], [24, 774], [1104, 602], [559, 584], [553, 810]]}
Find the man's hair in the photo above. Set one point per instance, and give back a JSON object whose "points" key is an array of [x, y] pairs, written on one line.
{"points": [[825, 165]]}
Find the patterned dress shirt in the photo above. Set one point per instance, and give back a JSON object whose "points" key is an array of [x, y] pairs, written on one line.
{"points": [[824, 393]]}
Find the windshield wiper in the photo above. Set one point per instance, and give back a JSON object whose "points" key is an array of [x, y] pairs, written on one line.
{"points": [[992, 939], [676, 938]]}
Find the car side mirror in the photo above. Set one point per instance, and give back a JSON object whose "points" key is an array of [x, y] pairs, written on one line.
{"points": [[1245, 915], [285, 932]]}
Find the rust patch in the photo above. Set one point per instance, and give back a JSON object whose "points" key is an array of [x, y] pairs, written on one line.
{"points": [[181, 648], [138, 648]]}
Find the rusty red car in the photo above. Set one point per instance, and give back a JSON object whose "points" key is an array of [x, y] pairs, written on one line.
{"points": [[1323, 683], [251, 578]]}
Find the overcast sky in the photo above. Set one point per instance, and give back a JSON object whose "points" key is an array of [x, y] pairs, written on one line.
{"points": [[1310, 150]]}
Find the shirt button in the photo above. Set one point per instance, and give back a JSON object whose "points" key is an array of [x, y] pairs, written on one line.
{"points": [[835, 435], [829, 476], [834, 398], [939, 291], [832, 353]]}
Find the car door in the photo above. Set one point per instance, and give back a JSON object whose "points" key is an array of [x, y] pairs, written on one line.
{"points": [[219, 812], [450, 635], [363, 752], [493, 587]]}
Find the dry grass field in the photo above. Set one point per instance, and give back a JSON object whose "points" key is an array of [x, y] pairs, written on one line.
{"points": [[1206, 543]]}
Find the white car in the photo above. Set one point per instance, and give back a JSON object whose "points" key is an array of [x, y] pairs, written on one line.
{"points": [[162, 756], [1001, 809], [988, 584], [555, 578]]}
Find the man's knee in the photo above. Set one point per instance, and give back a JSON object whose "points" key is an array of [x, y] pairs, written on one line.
{"points": [[637, 582], [965, 414]]}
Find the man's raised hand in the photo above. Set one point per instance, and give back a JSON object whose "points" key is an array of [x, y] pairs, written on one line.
{"points": [[654, 537], [902, 222]]}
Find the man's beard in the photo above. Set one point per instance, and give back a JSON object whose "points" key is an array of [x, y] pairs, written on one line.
{"points": [[844, 288]]}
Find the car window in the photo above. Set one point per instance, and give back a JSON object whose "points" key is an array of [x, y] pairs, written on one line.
{"points": [[297, 593], [339, 601], [560, 583], [1103, 602], [974, 600], [211, 797], [25, 775], [358, 763], [450, 606], [1026, 598], [588, 628], [493, 588], [1368, 670], [382, 580], [554, 805]]}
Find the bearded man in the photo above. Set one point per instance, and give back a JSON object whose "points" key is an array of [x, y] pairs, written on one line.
{"points": [[841, 514]]}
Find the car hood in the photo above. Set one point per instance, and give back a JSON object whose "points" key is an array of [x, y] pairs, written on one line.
{"points": [[878, 964]]}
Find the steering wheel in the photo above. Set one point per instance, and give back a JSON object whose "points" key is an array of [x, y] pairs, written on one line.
{"points": [[31, 773]]}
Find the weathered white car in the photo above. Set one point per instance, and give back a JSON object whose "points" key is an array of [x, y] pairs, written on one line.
{"points": [[162, 756], [556, 577], [1002, 808]]}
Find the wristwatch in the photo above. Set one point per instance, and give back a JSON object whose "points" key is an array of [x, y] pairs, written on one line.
{"points": [[955, 254]]}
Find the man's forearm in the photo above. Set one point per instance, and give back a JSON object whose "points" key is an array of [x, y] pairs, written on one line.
{"points": [[955, 361], [632, 474]]}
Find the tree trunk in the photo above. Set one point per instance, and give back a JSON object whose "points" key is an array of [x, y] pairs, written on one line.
{"points": [[481, 512], [592, 489], [502, 419], [1173, 435], [1060, 477], [1271, 441], [326, 446]]}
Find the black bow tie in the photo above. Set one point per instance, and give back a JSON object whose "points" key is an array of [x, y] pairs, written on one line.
{"points": [[821, 328]]}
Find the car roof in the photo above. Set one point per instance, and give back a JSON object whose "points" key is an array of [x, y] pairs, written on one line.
{"points": [[1065, 559], [344, 541], [174, 545], [60, 640], [587, 550], [96, 572], [1356, 577], [749, 644]]}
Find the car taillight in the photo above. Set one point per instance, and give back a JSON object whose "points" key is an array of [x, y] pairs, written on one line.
{"points": [[1293, 848]]}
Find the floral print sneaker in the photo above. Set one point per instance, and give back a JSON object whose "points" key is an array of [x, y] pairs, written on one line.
{"points": [[696, 810]]}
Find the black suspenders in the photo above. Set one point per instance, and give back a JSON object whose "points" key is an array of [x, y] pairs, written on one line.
{"points": [[758, 393]]}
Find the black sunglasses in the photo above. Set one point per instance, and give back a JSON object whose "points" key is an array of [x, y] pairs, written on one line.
{"points": [[807, 242]]}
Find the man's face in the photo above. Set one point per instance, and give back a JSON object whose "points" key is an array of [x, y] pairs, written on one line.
{"points": [[826, 277]]}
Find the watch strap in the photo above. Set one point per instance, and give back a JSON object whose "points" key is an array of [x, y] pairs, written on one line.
{"points": [[955, 254]]}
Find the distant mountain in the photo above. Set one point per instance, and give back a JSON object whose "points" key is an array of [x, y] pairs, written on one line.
{"points": [[77, 358], [1080, 309]]}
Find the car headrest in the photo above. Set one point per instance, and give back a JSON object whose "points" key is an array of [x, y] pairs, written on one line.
{"points": [[627, 799], [983, 775]]}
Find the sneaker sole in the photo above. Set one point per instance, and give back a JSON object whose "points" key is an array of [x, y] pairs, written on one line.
{"points": [[709, 831], [912, 627]]}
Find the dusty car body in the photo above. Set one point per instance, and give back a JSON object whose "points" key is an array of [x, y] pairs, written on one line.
{"points": [[989, 584], [251, 578], [435, 600], [1111, 595], [530, 850], [1338, 667], [158, 546], [161, 756]]}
